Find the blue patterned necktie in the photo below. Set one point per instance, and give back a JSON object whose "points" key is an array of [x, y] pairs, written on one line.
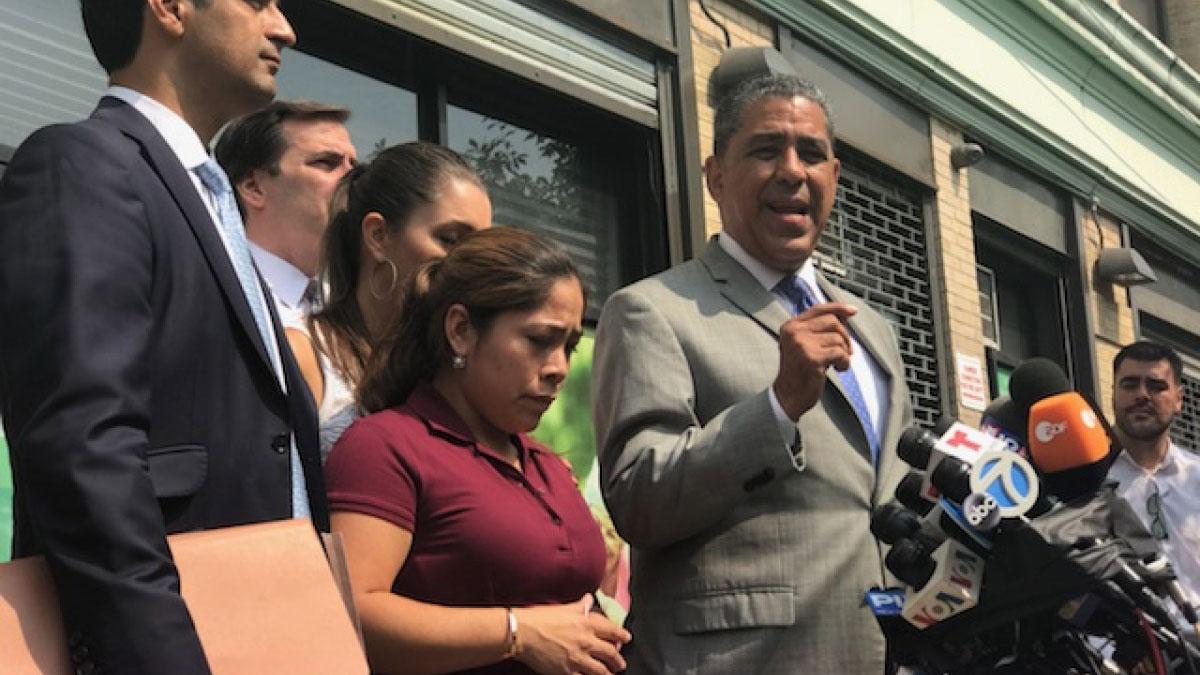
{"points": [[233, 231], [796, 293]]}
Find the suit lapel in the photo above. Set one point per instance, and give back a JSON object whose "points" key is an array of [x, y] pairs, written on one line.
{"points": [[177, 181], [878, 341], [740, 287]]}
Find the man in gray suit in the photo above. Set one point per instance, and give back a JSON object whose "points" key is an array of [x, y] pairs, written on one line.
{"points": [[747, 413]]}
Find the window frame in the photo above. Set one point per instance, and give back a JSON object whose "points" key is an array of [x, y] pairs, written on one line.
{"points": [[441, 77]]}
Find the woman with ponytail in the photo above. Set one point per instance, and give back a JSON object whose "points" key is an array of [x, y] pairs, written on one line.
{"points": [[468, 544], [409, 204]]}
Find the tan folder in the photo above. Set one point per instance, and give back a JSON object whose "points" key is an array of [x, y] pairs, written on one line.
{"points": [[263, 598]]}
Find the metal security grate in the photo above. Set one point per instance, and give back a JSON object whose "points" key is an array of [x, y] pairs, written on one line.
{"points": [[1185, 432], [874, 246]]}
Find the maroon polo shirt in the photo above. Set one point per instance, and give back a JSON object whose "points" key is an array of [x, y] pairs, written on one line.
{"points": [[484, 533]]}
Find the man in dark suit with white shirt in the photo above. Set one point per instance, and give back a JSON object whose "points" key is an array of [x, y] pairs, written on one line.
{"points": [[145, 386]]}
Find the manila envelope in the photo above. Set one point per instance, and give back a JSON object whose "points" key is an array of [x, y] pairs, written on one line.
{"points": [[262, 596]]}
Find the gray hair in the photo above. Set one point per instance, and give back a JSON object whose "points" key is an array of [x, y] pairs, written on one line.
{"points": [[734, 100]]}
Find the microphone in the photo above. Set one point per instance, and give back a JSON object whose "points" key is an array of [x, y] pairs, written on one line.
{"points": [[893, 522], [969, 511], [923, 450], [912, 540], [1004, 420], [1068, 441], [908, 493], [945, 575], [1032, 381], [952, 587], [1069, 445]]}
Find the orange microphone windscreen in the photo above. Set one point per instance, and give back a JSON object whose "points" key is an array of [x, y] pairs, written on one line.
{"points": [[1065, 434]]}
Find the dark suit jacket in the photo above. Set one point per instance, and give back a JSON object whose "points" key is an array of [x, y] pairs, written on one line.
{"points": [[137, 394]]}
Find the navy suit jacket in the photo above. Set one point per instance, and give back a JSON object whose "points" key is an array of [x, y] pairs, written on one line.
{"points": [[137, 394]]}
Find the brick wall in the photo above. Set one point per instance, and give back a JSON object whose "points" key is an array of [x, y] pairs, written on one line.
{"points": [[954, 241], [708, 43], [1110, 303]]}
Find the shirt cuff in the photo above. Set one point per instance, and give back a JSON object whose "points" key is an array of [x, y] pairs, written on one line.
{"points": [[787, 428]]}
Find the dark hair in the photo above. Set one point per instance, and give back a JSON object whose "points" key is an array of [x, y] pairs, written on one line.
{"points": [[114, 29], [503, 269], [394, 183], [1150, 351], [733, 101], [257, 141]]}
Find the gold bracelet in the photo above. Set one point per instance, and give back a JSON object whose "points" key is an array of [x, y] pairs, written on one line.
{"points": [[512, 644]]}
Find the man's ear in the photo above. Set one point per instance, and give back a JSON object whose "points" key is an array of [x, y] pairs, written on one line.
{"points": [[712, 177], [375, 235], [168, 16], [250, 191]]}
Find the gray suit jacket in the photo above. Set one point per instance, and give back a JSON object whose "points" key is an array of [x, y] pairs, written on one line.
{"points": [[744, 560]]}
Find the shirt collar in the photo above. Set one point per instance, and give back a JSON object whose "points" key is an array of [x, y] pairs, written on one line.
{"points": [[1169, 466], [179, 135], [766, 276], [428, 404], [287, 281]]}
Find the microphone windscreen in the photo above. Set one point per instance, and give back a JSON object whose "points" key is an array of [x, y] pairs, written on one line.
{"points": [[1003, 415], [993, 409], [910, 492], [952, 478], [1034, 380], [910, 562], [1065, 434], [915, 447], [892, 522]]}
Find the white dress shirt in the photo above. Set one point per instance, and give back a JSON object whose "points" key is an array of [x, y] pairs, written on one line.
{"points": [[1177, 480], [872, 381], [288, 285]]}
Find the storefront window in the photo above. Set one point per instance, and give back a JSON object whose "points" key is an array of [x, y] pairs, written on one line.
{"points": [[546, 185], [380, 114]]}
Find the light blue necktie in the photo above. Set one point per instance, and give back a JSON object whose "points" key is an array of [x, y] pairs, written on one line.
{"points": [[796, 293], [233, 231]]}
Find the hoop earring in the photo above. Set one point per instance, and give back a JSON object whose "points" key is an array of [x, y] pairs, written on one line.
{"points": [[391, 285], [458, 362]]}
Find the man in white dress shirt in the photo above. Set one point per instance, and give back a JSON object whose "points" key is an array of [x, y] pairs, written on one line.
{"points": [[1157, 477], [285, 161]]}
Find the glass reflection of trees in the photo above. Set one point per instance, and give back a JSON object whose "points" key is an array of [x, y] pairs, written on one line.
{"points": [[503, 161], [543, 184]]}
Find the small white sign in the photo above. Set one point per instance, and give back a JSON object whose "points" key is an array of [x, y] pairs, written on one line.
{"points": [[972, 383]]}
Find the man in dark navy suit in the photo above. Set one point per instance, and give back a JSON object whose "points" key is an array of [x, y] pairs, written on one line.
{"points": [[145, 386]]}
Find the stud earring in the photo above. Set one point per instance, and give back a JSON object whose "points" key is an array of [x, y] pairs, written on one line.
{"points": [[458, 361]]}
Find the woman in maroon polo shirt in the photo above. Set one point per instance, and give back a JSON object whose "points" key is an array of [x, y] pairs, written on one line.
{"points": [[469, 545]]}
